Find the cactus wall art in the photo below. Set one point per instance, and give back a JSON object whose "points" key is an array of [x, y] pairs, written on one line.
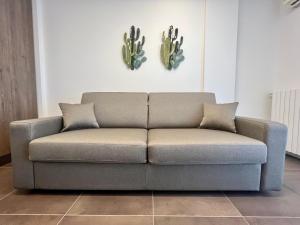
{"points": [[133, 53], [170, 51]]}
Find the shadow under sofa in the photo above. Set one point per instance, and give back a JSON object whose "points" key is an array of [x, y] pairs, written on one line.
{"points": [[148, 142]]}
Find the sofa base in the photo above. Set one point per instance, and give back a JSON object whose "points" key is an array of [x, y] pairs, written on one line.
{"points": [[87, 176], [205, 177]]}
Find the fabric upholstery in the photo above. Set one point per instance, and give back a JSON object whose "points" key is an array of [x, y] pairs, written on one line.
{"points": [[155, 175], [90, 176], [204, 177], [201, 146], [219, 117], [119, 110], [274, 135], [177, 110], [78, 116], [104, 145], [21, 133]]}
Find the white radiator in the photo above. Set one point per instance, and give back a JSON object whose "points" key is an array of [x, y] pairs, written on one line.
{"points": [[286, 109]]}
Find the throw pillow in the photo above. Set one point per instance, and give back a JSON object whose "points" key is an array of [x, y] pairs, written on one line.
{"points": [[219, 117], [78, 116]]}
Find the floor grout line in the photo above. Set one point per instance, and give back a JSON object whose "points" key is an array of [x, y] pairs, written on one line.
{"points": [[103, 215], [179, 216], [30, 214], [69, 208], [228, 199], [116, 215], [246, 221], [8, 194], [274, 217], [153, 220]]}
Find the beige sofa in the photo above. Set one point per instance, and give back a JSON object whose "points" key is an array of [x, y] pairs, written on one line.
{"points": [[148, 142]]}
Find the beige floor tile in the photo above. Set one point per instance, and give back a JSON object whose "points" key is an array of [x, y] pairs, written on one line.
{"points": [[29, 220], [273, 221], [107, 220], [199, 221], [283, 203], [110, 203], [292, 180], [5, 181], [37, 202], [193, 204], [292, 163]]}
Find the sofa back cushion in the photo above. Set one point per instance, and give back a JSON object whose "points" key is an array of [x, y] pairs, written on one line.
{"points": [[117, 109], [177, 110]]}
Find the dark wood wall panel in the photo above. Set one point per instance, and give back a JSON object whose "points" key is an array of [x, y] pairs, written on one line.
{"points": [[17, 71]]}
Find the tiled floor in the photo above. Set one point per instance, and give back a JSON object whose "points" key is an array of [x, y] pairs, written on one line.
{"points": [[147, 208]]}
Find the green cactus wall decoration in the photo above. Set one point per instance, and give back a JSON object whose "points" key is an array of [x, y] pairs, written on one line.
{"points": [[133, 53], [170, 51]]}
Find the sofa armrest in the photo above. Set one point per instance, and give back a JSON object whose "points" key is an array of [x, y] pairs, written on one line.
{"points": [[274, 135], [21, 133]]}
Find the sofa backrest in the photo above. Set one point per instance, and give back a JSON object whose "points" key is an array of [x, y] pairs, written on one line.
{"points": [[113, 109], [182, 110]]}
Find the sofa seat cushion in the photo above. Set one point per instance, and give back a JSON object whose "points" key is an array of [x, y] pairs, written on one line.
{"points": [[104, 145], [202, 146]]}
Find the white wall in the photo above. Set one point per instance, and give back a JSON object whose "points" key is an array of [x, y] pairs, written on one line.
{"points": [[83, 42], [289, 50], [231, 48], [79, 44], [256, 56], [220, 48]]}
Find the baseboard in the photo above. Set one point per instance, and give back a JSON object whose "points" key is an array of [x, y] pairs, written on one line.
{"points": [[293, 155], [5, 159]]}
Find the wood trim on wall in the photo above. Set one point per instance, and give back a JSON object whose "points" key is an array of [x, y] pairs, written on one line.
{"points": [[17, 67]]}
